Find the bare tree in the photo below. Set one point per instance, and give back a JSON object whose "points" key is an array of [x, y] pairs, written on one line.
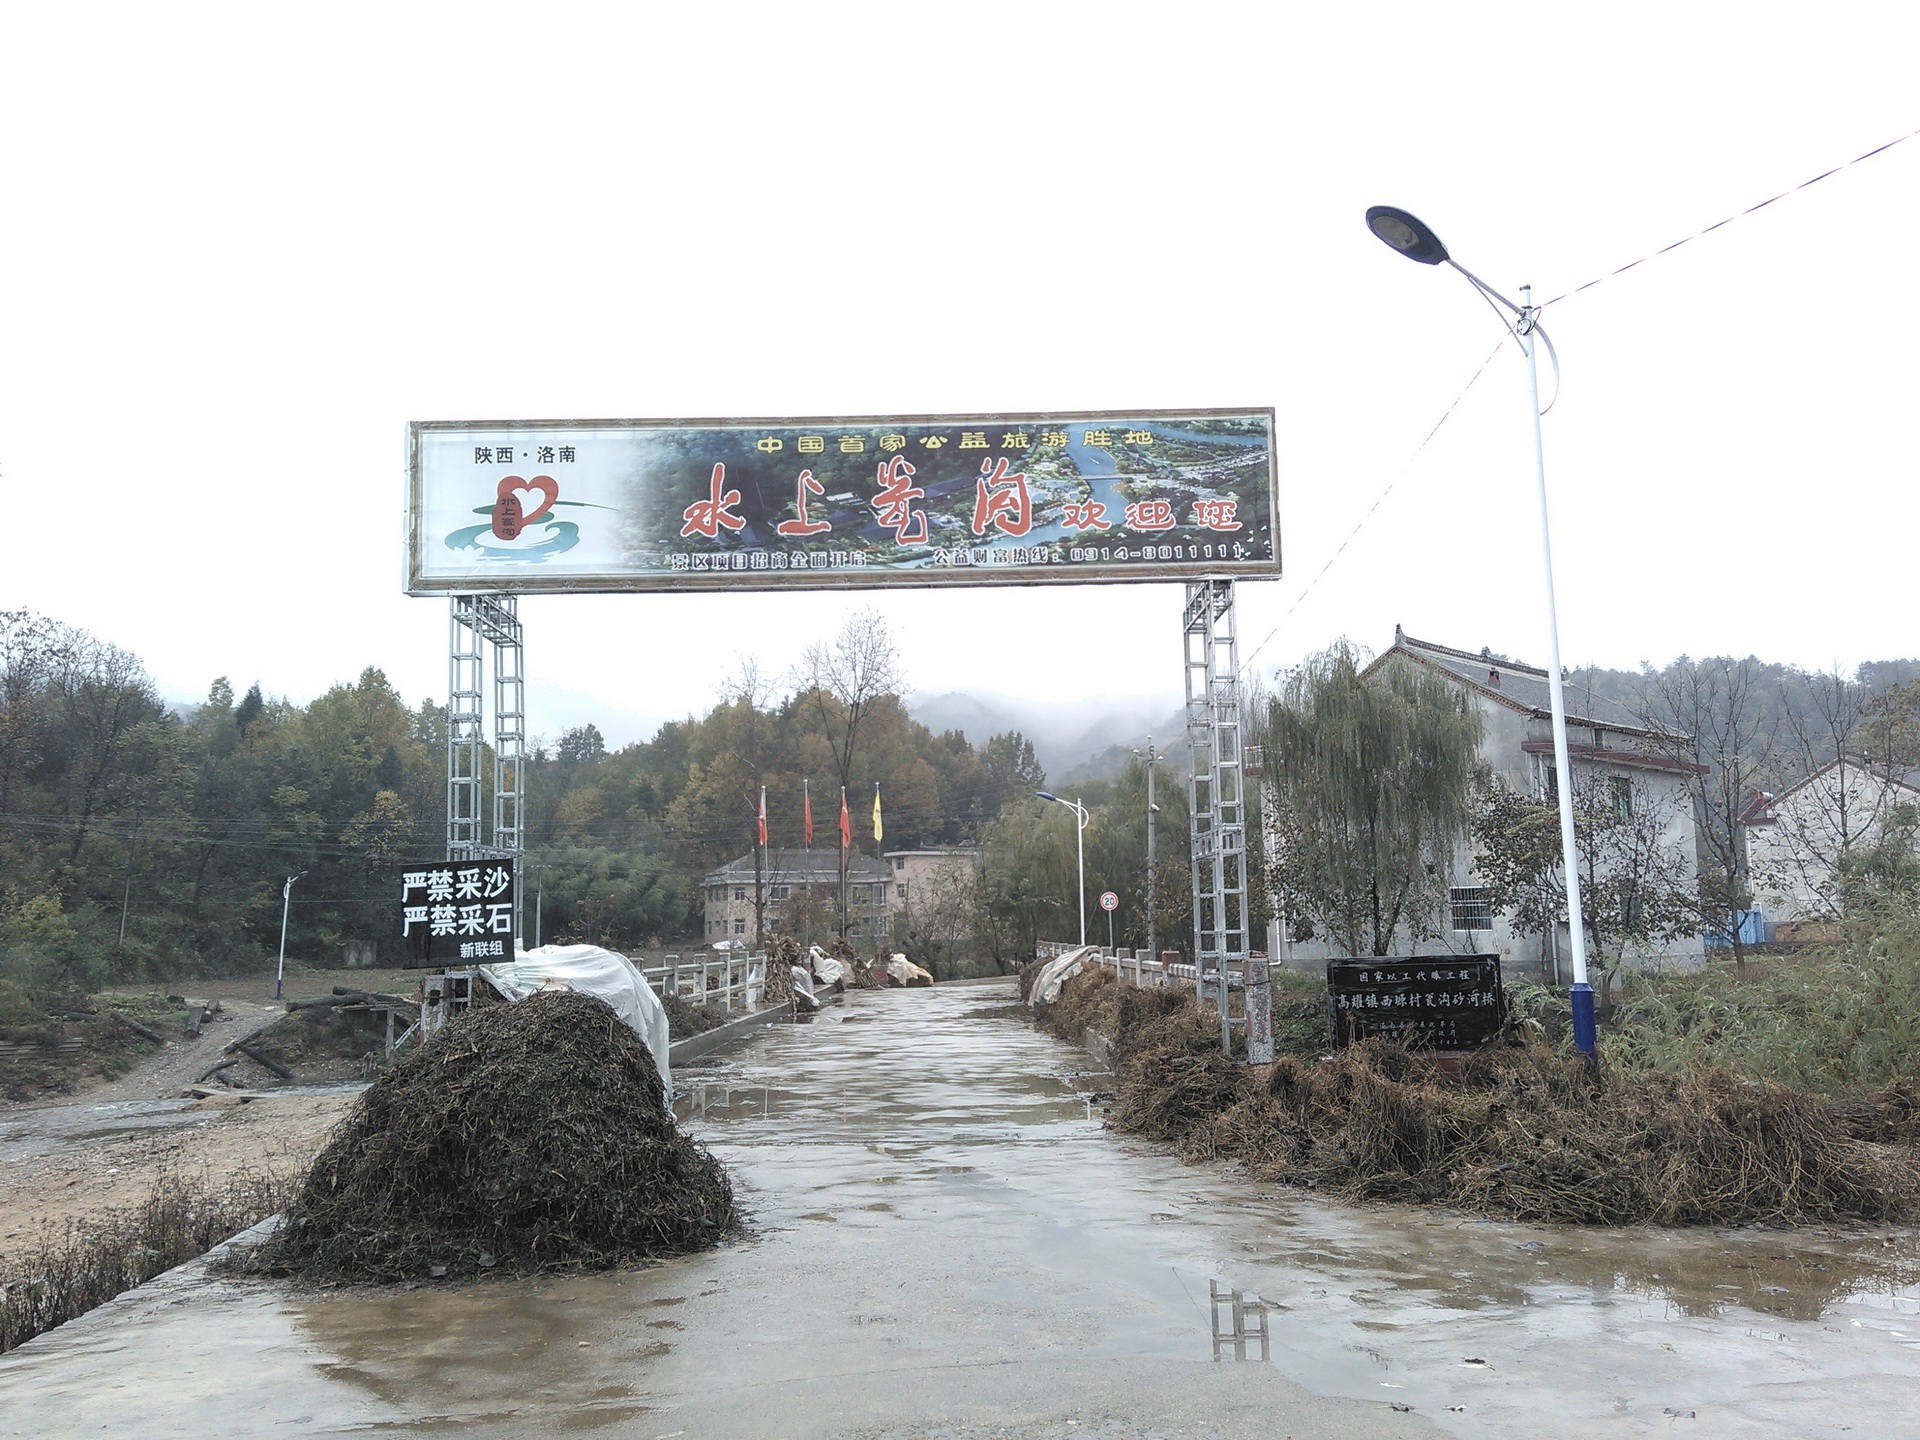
{"points": [[1637, 886], [1837, 808], [1852, 754], [841, 680], [751, 743], [1708, 714]]}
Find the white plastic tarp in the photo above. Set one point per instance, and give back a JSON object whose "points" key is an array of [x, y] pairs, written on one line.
{"points": [[600, 973], [904, 972], [826, 967], [1056, 972]]}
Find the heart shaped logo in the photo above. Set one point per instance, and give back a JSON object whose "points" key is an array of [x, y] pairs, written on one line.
{"points": [[511, 514]]}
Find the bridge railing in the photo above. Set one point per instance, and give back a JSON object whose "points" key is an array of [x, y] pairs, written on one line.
{"points": [[1255, 1022], [735, 980], [1139, 967]]}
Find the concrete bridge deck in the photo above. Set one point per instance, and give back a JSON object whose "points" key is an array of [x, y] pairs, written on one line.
{"points": [[946, 1244]]}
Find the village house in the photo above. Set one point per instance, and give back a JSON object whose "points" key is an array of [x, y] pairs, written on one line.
{"points": [[1605, 739], [931, 892], [802, 894], [1798, 842], [802, 885]]}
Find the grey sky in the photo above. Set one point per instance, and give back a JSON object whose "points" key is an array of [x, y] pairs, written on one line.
{"points": [[247, 244]]}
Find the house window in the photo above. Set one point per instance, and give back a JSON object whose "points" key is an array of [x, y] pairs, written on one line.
{"points": [[1622, 799], [900, 892], [1471, 909], [1549, 783], [739, 892], [899, 862], [779, 892], [740, 927]]}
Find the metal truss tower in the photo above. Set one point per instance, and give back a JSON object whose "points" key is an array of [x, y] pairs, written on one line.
{"points": [[480, 622], [1216, 791]]}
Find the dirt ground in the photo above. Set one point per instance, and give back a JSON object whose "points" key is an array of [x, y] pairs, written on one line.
{"points": [[68, 1157], [86, 1173]]}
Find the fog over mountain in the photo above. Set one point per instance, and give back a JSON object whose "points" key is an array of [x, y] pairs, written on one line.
{"points": [[1081, 738]]}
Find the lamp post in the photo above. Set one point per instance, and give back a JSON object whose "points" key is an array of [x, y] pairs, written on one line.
{"points": [[1080, 852], [286, 899], [1152, 759], [1407, 234]]}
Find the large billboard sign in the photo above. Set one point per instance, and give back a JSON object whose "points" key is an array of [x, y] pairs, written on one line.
{"points": [[638, 505]]}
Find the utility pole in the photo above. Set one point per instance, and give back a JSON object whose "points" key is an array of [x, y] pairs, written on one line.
{"points": [[1153, 810], [286, 901]]}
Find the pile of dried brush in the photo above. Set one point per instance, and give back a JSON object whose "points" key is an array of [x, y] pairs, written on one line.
{"points": [[1028, 973], [1519, 1132], [782, 956], [686, 1019], [529, 1137], [860, 974]]}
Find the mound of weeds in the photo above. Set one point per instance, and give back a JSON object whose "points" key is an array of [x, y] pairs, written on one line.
{"points": [[685, 1019], [527, 1137], [1516, 1131]]}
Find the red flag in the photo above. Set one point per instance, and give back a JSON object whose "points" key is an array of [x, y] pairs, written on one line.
{"points": [[807, 790], [763, 816], [846, 821]]}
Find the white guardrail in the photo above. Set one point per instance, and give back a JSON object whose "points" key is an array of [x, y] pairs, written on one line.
{"points": [[733, 981], [1138, 967]]}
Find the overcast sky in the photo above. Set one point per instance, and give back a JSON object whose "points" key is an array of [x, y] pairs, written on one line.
{"points": [[246, 244]]}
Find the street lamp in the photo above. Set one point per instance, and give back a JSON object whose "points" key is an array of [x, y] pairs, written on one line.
{"points": [[1080, 852], [1407, 234], [286, 899], [1152, 759]]}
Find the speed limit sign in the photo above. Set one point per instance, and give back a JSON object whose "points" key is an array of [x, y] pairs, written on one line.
{"points": [[1109, 900]]}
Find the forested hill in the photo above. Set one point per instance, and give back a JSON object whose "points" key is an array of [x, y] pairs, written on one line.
{"points": [[137, 841]]}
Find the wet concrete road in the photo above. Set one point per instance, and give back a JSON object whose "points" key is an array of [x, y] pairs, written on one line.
{"points": [[946, 1243]]}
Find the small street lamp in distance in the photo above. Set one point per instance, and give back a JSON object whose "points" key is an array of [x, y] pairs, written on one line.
{"points": [[286, 899], [1406, 233], [1080, 852], [1152, 759]]}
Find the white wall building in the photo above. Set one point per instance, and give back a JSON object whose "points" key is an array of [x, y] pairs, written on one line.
{"points": [[932, 890], [1798, 840], [797, 881], [1605, 740]]}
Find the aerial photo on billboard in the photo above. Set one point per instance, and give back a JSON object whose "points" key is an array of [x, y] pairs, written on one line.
{"points": [[634, 505]]}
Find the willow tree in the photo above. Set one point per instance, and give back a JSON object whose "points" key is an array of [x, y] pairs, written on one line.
{"points": [[1373, 776]]}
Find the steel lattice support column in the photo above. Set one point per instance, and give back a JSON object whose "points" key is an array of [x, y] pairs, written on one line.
{"points": [[1216, 790], [479, 623], [466, 738]]}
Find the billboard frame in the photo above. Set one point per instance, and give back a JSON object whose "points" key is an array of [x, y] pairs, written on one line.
{"points": [[852, 578]]}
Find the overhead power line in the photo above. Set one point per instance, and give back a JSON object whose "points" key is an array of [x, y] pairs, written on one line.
{"points": [[1598, 279], [1378, 501], [1740, 215]]}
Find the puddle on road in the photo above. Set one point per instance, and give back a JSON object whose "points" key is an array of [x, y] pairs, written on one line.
{"points": [[928, 1189]]}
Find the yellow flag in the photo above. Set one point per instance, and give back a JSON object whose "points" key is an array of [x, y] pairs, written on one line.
{"points": [[879, 831]]}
